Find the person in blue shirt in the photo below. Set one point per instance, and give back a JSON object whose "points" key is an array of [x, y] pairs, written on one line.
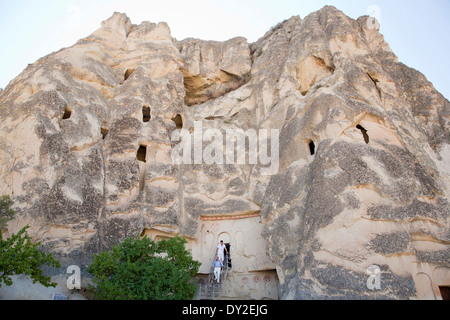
{"points": [[217, 264]]}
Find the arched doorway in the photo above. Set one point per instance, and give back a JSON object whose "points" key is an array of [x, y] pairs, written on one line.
{"points": [[226, 238]]}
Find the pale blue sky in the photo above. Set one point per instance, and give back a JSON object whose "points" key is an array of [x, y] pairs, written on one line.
{"points": [[417, 31]]}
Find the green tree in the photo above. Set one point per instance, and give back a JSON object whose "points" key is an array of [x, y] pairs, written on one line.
{"points": [[141, 269], [19, 255]]}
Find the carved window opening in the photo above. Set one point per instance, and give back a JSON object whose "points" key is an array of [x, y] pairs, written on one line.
{"points": [[312, 147], [141, 156], [128, 73], [178, 121], [142, 153], [104, 132], [364, 133], [146, 114], [67, 113]]}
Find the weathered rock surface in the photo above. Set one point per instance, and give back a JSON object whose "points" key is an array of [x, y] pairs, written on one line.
{"points": [[212, 68], [364, 149]]}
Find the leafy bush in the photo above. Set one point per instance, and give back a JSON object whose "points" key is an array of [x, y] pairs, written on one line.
{"points": [[141, 269], [19, 255]]}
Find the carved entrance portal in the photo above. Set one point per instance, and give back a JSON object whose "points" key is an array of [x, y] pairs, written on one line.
{"points": [[242, 236]]}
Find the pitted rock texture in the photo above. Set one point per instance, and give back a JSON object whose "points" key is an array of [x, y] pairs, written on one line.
{"points": [[364, 149]]}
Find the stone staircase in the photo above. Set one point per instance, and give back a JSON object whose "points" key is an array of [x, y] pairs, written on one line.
{"points": [[212, 290]]}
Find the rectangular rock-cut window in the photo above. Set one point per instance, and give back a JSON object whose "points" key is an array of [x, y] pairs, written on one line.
{"points": [[142, 153], [146, 114]]}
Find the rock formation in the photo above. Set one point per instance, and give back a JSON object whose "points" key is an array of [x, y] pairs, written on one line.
{"points": [[364, 152]]}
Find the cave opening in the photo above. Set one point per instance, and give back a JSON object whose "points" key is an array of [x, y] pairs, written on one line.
{"points": [[104, 132], [67, 113], [142, 153], [128, 73], [178, 121], [146, 114], [312, 147], [364, 133]]}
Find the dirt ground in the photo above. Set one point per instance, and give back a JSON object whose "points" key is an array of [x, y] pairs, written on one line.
{"points": [[24, 289]]}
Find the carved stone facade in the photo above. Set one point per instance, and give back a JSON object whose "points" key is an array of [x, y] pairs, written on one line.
{"points": [[253, 275]]}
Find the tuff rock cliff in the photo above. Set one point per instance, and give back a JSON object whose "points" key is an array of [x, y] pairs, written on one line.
{"points": [[364, 150]]}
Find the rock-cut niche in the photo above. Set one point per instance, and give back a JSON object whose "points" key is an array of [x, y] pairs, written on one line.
{"points": [[128, 73], [104, 131], [141, 156], [178, 121], [146, 114], [312, 147], [142, 153], [67, 113]]}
